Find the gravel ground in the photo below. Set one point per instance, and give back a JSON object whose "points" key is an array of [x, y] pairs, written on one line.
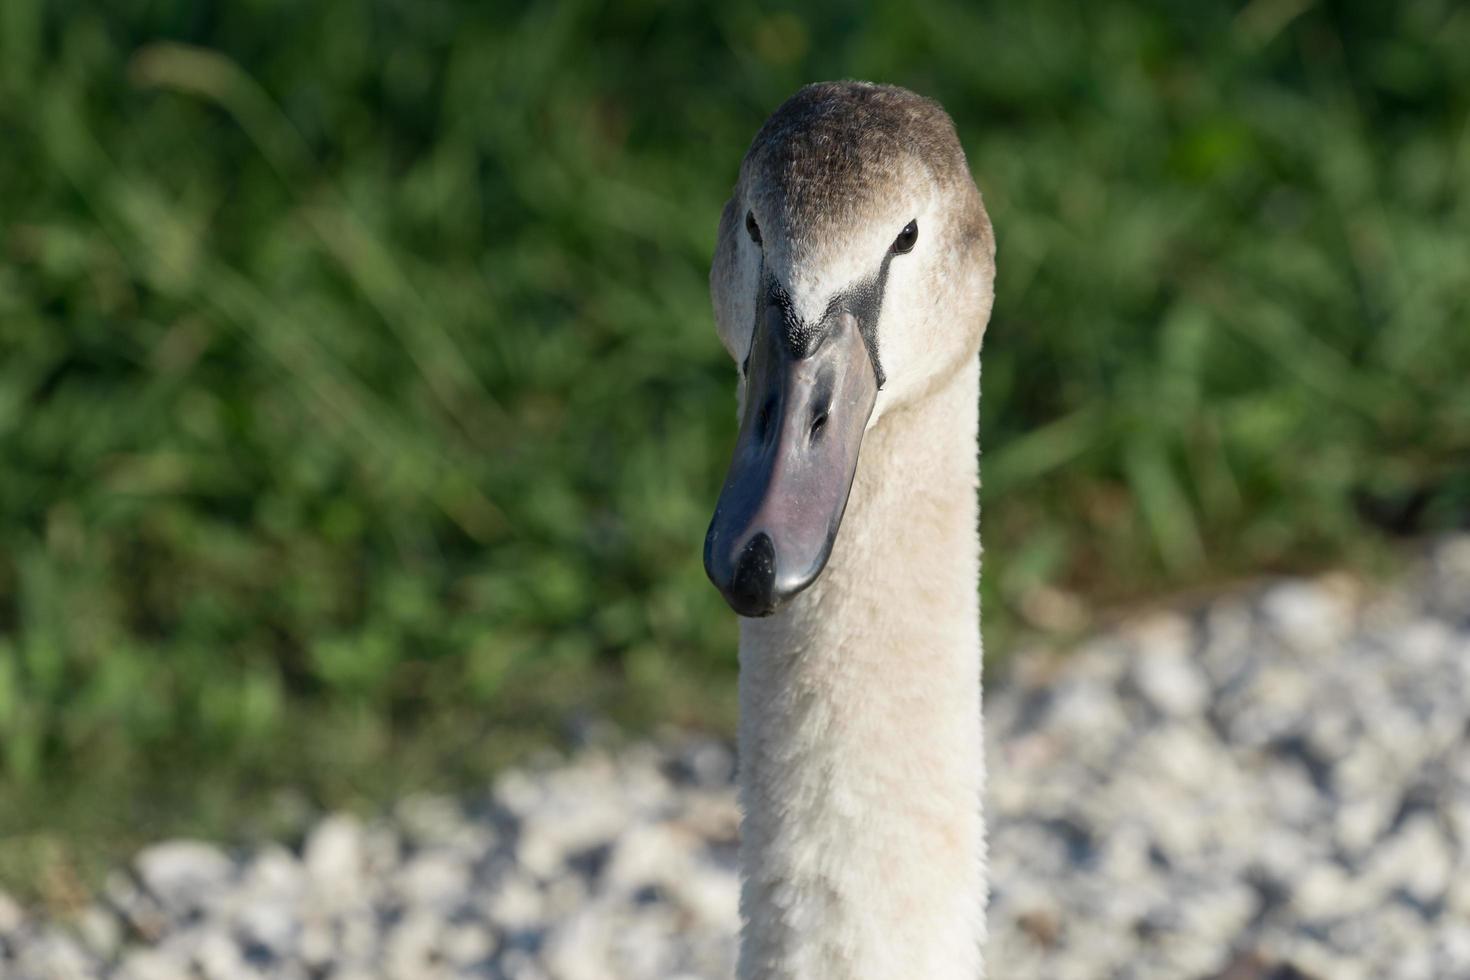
{"points": [[1274, 784]]}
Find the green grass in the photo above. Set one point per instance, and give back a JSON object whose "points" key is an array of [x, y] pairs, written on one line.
{"points": [[361, 412]]}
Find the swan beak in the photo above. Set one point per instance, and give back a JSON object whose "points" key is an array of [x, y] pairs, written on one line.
{"points": [[805, 415]]}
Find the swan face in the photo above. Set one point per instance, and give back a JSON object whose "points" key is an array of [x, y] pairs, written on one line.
{"points": [[853, 274]]}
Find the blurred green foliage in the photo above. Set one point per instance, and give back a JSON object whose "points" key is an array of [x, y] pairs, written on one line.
{"points": [[360, 409]]}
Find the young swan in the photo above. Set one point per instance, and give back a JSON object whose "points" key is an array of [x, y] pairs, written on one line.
{"points": [[852, 282]]}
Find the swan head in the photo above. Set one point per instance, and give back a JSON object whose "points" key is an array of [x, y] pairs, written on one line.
{"points": [[853, 275]]}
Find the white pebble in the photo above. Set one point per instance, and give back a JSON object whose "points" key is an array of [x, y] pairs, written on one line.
{"points": [[183, 874]]}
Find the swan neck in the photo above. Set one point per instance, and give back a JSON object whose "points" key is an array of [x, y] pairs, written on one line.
{"points": [[860, 735]]}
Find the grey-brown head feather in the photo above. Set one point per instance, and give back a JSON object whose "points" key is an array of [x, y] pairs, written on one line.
{"points": [[831, 159], [830, 150]]}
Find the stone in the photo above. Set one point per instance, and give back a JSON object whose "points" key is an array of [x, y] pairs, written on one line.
{"points": [[139, 910], [268, 929], [1169, 680], [433, 878], [334, 856], [100, 930], [11, 915], [411, 947], [467, 945], [710, 896], [50, 953], [184, 875], [1275, 784], [706, 763], [145, 964], [219, 957], [1308, 616], [1416, 860], [426, 820], [317, 945], [1360, 822], [516, 904]]}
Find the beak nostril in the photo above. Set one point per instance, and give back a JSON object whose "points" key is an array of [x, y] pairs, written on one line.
{"points": [[763, 421], [818, 424]]}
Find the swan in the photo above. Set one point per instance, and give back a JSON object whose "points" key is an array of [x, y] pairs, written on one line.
{"points": [[852, 279]]}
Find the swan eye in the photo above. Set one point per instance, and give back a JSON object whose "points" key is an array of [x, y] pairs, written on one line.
{"points": [[906, 238], [752, 228]]}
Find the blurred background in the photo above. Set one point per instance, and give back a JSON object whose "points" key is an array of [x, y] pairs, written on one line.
{"points": [[361, 412]]}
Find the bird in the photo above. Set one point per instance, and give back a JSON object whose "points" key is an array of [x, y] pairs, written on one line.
{"points": [[852, 281]]}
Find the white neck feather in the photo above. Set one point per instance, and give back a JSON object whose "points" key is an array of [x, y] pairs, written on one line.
{"points": [[861, 760]]}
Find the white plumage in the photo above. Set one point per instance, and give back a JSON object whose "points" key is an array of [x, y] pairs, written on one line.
{"points": [[861, 764]]}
